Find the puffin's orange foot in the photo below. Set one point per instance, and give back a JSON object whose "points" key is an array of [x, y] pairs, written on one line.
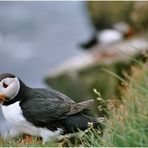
{"points": [[2, 97], [26, 139]]}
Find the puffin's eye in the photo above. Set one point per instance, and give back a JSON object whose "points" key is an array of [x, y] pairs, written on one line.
{"points": [[5, 85]]}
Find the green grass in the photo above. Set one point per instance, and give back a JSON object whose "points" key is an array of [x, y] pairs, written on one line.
{"points": [[128, 122], [19, 143]]}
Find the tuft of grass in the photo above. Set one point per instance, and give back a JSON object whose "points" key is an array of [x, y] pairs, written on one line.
{"points": [[35, 142], [128, 122], [128, 125]]}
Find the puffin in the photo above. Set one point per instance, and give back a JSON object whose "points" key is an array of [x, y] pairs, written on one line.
{"points": [[113, 34], [41, 112]]}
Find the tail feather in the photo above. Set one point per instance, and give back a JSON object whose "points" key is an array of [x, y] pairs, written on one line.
{"points": [[79, 116], [78, 107], [79, 122]]}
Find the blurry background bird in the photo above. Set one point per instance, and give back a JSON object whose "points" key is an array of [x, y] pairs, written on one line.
{"points": [[123, 18]]}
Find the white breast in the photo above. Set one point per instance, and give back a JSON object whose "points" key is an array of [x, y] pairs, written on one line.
{"points": [[109, 36], [14, 116], [13, 113]]}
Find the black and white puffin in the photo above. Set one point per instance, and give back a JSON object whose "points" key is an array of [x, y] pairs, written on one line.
{"points": [[41, 112], [113, 34]]}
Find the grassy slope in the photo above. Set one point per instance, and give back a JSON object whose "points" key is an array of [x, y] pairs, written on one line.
{"points": [[128, 122]]}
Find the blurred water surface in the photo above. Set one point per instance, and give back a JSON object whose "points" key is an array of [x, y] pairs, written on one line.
{"points": [[37, 36]]}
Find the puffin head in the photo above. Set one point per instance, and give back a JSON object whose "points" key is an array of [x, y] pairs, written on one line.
{"points": [[9, 87]]}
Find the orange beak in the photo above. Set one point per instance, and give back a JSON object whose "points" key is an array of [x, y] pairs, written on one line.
{"points": [[2, 98]]}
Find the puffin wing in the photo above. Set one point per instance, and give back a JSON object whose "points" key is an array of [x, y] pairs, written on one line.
{"points": [[42, 109]]}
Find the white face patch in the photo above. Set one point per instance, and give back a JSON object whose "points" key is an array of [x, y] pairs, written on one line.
{"points": [[10, 87]]}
